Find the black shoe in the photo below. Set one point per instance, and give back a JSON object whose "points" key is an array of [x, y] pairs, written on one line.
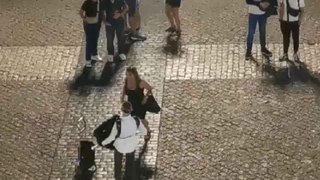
{"points": [[249, 57], [284, 58], [266, 52]]}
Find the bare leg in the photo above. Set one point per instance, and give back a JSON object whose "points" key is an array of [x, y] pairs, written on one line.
{"points": [[176, 17], [170, 15], [146, 124]]}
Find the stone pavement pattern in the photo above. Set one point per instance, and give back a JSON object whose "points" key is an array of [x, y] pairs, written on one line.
{"points": [[34, 83]]}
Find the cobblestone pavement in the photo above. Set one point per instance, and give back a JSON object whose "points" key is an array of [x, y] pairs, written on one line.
{"points": [[40, 51], [238, 129]]}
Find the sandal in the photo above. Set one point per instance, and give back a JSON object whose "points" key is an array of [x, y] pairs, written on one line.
{"points": [[171, 29]]}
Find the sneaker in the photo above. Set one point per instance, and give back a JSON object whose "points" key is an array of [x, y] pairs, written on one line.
{"points": [[109, 58], [128, 32], [284, 58], [123, 57], [137, 38], [266, 52], [249, 57], [296, 58], [96, 58], [88, 64]]}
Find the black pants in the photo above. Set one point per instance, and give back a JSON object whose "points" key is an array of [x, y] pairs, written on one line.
{"points": [[115, 29], [130, 166], [288, 28]]}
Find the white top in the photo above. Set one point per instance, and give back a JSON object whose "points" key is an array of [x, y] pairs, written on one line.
{"points": [[129, 136], [253, 9], [294, 5]]}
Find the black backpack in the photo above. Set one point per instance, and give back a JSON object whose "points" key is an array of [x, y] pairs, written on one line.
{"points": [[104, 130]]}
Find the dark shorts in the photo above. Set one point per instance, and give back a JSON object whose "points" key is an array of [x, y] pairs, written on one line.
{"points": [[174, 3], [133, 7]]}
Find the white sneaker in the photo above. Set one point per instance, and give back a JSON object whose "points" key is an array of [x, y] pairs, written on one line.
{"points": [[96, 58], [88, 64], [123, 57], [109, 58]]}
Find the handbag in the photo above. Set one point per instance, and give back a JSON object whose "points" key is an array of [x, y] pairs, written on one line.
{"points": [[293, 12], [151, 105]]}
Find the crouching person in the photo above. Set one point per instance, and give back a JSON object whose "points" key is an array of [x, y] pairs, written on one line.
{"points": [[126, 139]]}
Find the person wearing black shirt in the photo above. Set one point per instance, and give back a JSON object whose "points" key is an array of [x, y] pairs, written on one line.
{"points": [[89, 13], [114, 12]]}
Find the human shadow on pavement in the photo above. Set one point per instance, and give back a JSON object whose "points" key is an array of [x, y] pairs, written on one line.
{"points": [[87, 79], [143, 172], [173, 45], [84, 81], [294, 72]]}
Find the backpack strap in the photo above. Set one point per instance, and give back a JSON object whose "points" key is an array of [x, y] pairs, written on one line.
{"points": [[118, 124]]}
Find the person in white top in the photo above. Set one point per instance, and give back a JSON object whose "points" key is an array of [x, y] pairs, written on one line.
{"points": [[290, 16], [257, 15], [126, 143]]}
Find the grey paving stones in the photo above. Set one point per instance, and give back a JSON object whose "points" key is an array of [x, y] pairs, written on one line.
{"points": [[238, 129], [30, 122], [38, 63]]}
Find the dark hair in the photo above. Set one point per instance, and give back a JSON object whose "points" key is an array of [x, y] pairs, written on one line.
{"points": [[126, 107], [135, 73]]}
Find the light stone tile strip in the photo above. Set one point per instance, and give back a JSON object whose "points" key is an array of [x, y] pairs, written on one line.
{"points": [[226, 61], [38, 62], [100, 105]]}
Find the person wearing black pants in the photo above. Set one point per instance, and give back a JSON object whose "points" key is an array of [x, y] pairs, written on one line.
{"points": [[290, 15], [114, 13], [89, 13], [125, 142]]}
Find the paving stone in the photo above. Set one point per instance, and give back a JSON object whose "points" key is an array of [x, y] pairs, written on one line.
{"points": [[226, 61], [238, 129], [31, 118], [38, 63]]}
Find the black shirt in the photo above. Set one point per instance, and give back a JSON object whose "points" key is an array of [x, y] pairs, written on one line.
{"points": [[90, 8], [110, 9]]}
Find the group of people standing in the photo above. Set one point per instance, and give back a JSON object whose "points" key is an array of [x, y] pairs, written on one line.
{"points": [[290, 14], [121, 19]]}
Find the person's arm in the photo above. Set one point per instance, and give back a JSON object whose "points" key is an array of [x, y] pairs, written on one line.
{"points": [[301, 15], [123, 94], [112, 135], [82, 10], [125, 10], [252, 2], [146, 86]]}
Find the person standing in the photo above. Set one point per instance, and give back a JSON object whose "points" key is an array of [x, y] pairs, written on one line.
{"points": [[172, 12], [134, 20], [257, 15], [290, 16], [114, 13], [89, 13], [126, 142], [134, 88]]}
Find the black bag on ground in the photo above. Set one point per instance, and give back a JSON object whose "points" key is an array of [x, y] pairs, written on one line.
{"points": [[104, 130], [86, 161]]}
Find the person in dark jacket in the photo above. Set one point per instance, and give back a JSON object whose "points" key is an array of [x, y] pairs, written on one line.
{"points": [[257, 15]]}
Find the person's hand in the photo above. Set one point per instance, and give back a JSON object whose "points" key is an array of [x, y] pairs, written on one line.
{"points": [[84, 20], [117, 15], [300, 21], [264, 5]]}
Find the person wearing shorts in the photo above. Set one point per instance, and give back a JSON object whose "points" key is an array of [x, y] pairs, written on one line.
{"points": [[134, 20], [172, 12]]}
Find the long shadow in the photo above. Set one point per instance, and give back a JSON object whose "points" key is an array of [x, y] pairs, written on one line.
{"points": [[143, 171], [173, 45], [87, 79], [294, 72]]}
